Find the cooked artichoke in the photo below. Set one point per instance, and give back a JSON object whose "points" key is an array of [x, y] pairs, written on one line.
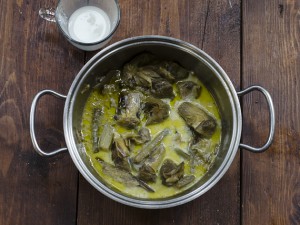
{"points": [[130, 70], [155, 110], [102, 81], [141, 137], [178, 72], [145, 151], [203, 148], [197, 118], [106, 137], [144, 77], [171, 173], [128, 74], [182, 153], [147, 174], [185, 180], [122, 176], [149, 169], [164, 73], [161, 88], [96, 124], [201, 153], [188, 89], [129, 109], [120, 153]]}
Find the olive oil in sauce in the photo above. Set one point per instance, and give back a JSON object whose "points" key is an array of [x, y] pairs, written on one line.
{"points": [[179, 137]]}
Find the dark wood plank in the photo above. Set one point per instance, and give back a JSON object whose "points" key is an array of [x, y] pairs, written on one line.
{"points": [[215, 27], [34, 56], [271, 188]]}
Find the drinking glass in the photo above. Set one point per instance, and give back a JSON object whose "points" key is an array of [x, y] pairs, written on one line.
{"points": [[85, 18]]}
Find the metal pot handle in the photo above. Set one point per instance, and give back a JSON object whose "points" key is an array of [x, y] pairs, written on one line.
{"points": [[271, 118], [31, 122]]}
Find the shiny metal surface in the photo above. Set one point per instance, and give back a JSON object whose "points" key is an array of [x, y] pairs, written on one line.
{"points": [[271, 118], [210, 73], [190, 57], [32, 122]]}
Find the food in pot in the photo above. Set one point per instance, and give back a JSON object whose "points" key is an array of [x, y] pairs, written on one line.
{"points": [[122, 176], [155, 110], [197, 118], [151, 128], [128, 110], [148, 171], [188, 89]]}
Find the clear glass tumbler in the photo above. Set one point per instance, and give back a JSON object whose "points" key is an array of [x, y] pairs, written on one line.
{"points": [[87, 24]]}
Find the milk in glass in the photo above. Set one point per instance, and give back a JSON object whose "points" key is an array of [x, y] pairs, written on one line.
{"points": [[89, 24]]}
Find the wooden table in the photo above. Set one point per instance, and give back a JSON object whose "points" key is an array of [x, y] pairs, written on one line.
{"points": [[256, 42]]}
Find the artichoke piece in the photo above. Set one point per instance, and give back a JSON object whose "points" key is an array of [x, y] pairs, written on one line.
{"points": [[102, 81], [144, 77], [197, 118], [96, 124], [156, 110], [178, 72], [162, 89], [122, 163], [128, 74], [164, 73], [149, 147], [171, 173], [188, 89], [120, 154], [129, 109], [156, 157], [130, 70], [201, 152], [122, 176], [185, 180], [182, 153], [147, 174], [118, 174], [161, 71], [106, 137], [149, 169], [141, 137], [120, 146]]}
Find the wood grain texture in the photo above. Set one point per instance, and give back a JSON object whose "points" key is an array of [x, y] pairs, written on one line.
{"points": [[271, 181], [34, 56], [213, 26]]}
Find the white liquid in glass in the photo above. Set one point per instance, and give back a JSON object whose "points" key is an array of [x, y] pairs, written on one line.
{"points": [[89, 24]]}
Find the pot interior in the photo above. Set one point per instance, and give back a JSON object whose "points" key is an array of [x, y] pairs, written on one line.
{"points": [[208, 71]]}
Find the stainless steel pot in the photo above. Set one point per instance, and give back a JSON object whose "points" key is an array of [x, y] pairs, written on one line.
{"points": [[213, 76]]}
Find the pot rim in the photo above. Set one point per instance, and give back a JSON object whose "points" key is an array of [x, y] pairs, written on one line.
{"points": [[159, 203]]}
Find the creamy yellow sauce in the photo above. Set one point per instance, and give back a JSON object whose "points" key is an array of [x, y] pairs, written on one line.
{"points": [[173, 123]]}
